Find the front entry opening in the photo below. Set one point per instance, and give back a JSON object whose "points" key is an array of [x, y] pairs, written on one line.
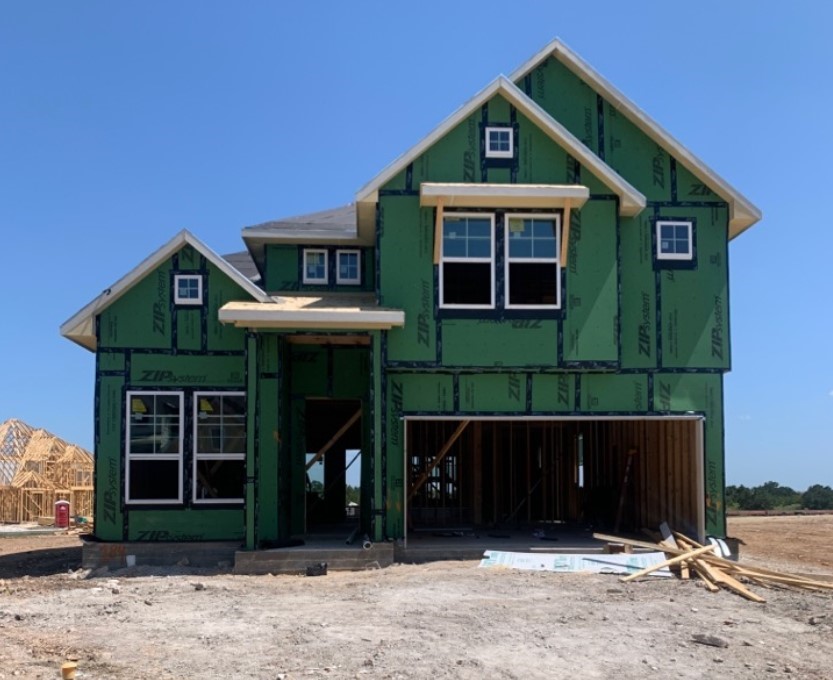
{"points": [[333, 465], [618, 475]]}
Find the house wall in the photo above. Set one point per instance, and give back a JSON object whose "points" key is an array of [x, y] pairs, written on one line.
{"points": [[283, 269], [145, 342], [633, 337]]}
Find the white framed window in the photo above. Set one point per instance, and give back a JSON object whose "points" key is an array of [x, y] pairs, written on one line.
{"points": [[187, 289], [533, 265], [467, 269], [153, 446], [315, 265], [500, 142], [219, 447], [348, 267], [675, 240]]}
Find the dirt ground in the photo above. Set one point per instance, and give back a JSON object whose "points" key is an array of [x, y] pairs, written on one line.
{"points": [[443, 620]]}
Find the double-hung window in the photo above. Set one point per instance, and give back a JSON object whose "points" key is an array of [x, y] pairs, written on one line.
{"points": [[315, 266], [533, 268], [219, 447], [468, 261], [154, 446], [348, 269]]}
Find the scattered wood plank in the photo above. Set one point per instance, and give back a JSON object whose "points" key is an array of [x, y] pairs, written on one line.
{"points": [[667, 563]]}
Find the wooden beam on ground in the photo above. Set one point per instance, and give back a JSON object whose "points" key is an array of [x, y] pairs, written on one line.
{"points": [[318, 456], [667, 563], [437, 459]]}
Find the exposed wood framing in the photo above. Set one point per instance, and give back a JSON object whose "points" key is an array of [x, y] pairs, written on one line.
{"points": [[323, 450], [565, 234], [438, 459], [438, 231], [37, 469]]}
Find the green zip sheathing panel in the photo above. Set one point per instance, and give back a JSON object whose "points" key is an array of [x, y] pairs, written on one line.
{"points": [[520, 342], [553, 393], [701, 394], [146, 342], [406, 238], [614, 393], [503, 392], [694, 302], [284, 266], [109, 444], [591, 317], [268, 407], [188, 524], [638, 329]]}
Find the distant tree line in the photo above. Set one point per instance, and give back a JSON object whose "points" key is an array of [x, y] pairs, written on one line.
{"points": [[771, 496]]}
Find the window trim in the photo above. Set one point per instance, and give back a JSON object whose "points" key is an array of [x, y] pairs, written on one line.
{"points": [[687, 257], [315, 281], [128, 456], [347, 281], [212, 456], [188, 301], [497, 153], [507, 260], [464, 260]]}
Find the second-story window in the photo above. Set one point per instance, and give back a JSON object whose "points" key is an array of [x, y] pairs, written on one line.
{"points": [[674, 240], [533, 277], [315, 266], [468, 261], [187, 289], [500, 142], [348, 270]]}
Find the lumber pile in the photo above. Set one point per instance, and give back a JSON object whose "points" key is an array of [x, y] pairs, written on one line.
{"points": [[695, 560]]}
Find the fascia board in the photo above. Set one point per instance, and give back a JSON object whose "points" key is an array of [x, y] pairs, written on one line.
{"points": [[80, 327], [743, 213], [267, 236]]}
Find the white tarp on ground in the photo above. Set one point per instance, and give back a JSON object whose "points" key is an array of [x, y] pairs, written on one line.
{"points": [[594, 563]]}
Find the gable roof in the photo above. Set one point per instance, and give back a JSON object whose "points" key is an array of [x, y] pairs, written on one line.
{"points": [[80, 328], [631, 201], [742, 213], [242, 262]]}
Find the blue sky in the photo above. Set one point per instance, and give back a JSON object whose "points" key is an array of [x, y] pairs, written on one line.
{"points": [[121, 123]]}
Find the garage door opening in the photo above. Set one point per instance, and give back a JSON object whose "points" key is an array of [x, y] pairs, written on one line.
{"points": [[533, 473]]}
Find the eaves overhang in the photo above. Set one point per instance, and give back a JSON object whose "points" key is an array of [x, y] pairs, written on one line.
{"points": [[80, 327], [742, 212]]}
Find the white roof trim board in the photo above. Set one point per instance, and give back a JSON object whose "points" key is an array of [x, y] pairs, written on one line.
{"points": [[503, 195], [80, 328], [304, 313], [743, 214], [631, 201]]}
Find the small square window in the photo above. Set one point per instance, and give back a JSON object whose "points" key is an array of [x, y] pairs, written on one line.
{"points": [[500, 142], [315, 266], [348, 269], [675, 240], [188, 289]]}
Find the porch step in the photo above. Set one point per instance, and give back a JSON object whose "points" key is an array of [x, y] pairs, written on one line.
{"points": [[295, 560]]}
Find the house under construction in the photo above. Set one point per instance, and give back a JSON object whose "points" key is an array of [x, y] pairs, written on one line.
{"points": [[37, 469]]}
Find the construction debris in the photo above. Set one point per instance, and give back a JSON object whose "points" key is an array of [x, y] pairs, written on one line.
{"points": [[577, 563], [36, 470], [714, 570]]}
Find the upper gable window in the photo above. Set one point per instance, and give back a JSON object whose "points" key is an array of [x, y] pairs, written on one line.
{"points": [[315, 266], [533, 267], [675, 240], [348, 270], [187, 289], [468, 261], [500, 142]]}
